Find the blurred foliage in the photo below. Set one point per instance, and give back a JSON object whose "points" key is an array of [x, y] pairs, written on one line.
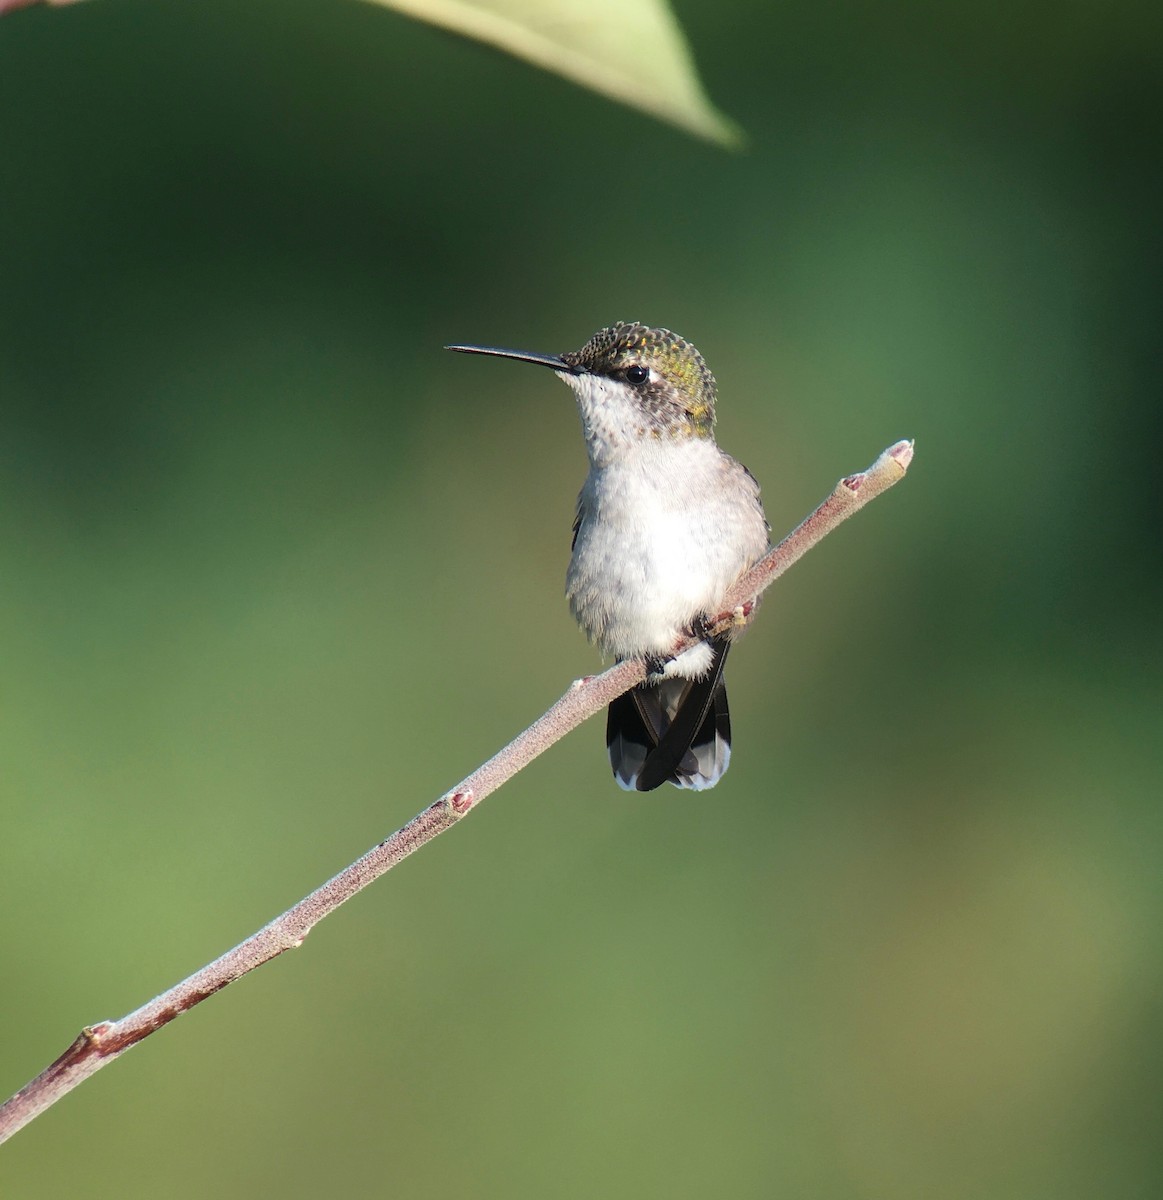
{"points": [[630, 50], [277, 571]]}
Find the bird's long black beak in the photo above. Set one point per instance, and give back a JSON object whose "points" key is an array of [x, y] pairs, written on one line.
{"points": [[552, 361]]}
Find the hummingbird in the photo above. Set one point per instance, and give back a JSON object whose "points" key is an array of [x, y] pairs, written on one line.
{"points": [[665, 523]]}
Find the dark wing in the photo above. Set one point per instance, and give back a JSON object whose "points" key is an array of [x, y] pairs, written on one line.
{"points": [[580, 514], [755, 484]]}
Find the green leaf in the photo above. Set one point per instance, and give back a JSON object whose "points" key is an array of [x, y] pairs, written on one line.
{"points": [[9, 5], [630, 50]]}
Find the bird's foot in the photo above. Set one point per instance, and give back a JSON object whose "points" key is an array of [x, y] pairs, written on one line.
{"points": [[656, 664], [709, 626]]}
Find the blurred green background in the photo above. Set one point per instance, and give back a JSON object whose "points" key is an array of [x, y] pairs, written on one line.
{"points": [[277, 571]]}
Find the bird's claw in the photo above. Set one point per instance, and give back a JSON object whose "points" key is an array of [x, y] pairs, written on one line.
{"points": [[656, 664]]}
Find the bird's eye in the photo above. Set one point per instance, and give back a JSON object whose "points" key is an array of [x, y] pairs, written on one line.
{"points": [[637, 375]]}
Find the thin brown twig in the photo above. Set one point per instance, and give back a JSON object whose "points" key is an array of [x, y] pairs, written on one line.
{"points": [[101, 1043]]}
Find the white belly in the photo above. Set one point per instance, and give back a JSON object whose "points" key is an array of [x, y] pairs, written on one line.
{"points": [[662, 537]]}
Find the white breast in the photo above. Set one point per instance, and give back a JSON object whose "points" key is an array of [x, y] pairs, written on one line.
{"points": [[663, 532]]}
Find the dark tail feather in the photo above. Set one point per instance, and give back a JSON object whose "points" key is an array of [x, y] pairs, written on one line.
{"points": [[628, 738], [689, 731], [676, 731]]}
